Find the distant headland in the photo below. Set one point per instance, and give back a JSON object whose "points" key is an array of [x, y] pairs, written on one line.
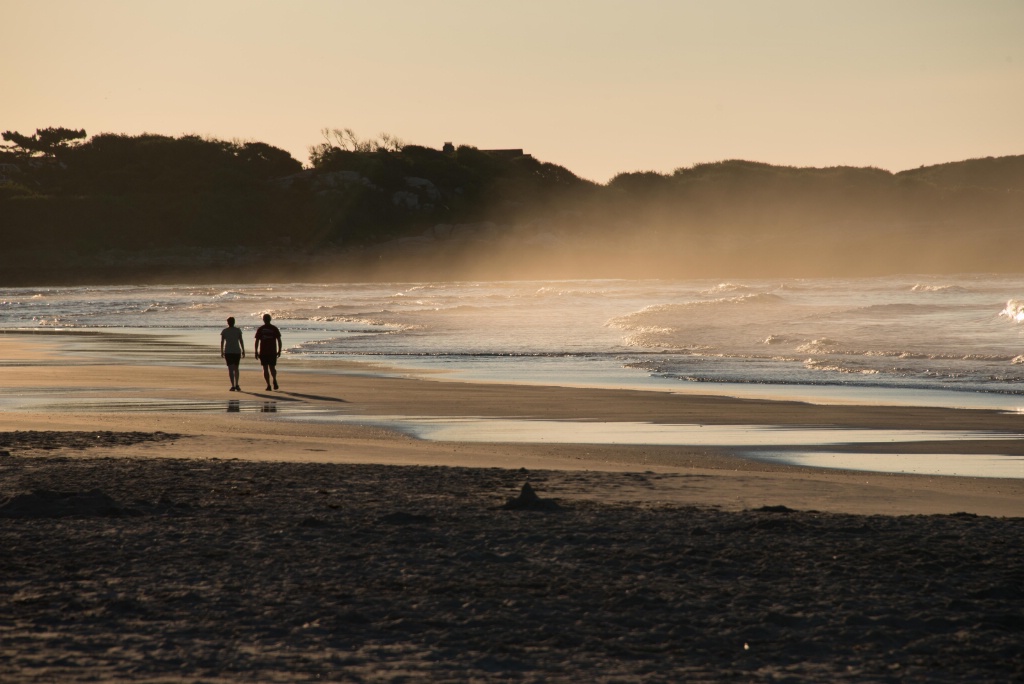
{"points": [[116, 208]]}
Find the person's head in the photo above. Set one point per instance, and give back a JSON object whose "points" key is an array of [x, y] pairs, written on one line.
{"points": [[266, 318], [231, 321]]}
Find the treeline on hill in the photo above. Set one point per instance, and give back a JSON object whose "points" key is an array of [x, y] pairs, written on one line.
{"points": [[114, 208]]}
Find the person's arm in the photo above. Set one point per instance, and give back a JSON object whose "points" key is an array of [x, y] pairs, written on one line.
{"points": [[222, 346], [241, 343], [280, 345], [256, 350]]}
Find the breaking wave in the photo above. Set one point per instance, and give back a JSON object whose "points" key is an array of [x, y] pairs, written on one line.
{"points": [[1014, 310], [940, 289]]}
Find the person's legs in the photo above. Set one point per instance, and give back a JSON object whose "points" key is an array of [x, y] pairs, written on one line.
{"points": [[232, 361], [270, 370]]}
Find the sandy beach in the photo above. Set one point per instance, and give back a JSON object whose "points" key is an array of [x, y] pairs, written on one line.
{"points": [[156, 531]]}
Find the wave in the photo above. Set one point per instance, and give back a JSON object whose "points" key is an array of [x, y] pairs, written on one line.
{"points": [[654, 338], [832, 367], [636, 318], [234, 295], [823, 345], [548, 291], [723, 288], [338, 314], [1014, 310], [900, 309], [364, 322], [351, 320], [829, 347], [756, 298], [940, 289]]}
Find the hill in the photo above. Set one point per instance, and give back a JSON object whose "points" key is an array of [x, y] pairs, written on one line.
{"points": [[118, 208]]}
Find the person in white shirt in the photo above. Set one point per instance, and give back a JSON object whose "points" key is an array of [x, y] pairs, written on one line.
{"points": [[232, 350]]}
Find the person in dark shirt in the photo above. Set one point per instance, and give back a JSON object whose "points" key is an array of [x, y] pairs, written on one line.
{"points": [[268, 349]]}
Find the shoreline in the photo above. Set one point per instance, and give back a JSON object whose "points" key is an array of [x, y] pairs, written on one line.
{"points": [[734, 483], [156, 346]]}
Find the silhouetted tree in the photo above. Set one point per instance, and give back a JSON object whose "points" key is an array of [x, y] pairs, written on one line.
{"points": [[146, 193], [47, 142], [340, 140], [266, 161]]}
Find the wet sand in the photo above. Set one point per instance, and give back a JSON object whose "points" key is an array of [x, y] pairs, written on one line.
{"points": [[193, 545], [50, 395]]}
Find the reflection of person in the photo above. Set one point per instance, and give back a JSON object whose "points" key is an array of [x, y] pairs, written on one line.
{"points": [[268, 348], [232, 350]]}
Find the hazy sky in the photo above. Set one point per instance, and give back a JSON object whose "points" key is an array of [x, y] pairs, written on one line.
{"points": [[597, 86]]}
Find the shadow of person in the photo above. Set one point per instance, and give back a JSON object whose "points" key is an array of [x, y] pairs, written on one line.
{"points": [[314, 397], [272, 396]]}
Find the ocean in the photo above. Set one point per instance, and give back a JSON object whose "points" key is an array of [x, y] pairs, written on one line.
{"points": [[918, 339]]}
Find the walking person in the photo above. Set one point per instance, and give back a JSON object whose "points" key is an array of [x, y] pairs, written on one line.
{"points": [[268, 349], [232, 350]]}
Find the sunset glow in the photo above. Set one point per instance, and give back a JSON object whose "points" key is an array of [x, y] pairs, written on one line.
{"points": [[599, 87]]}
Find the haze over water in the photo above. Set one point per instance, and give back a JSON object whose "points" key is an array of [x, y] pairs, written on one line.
{"points": [[878, 337]]}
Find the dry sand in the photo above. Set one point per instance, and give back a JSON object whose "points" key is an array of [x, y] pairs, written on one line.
{"points": [[175, 545]]}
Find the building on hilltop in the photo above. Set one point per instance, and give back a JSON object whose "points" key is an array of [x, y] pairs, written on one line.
{"points": [[506, 154], [449, 148]]}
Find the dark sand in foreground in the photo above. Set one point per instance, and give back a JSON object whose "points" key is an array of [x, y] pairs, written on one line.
{"points": [[181, 570], [169, 546]]}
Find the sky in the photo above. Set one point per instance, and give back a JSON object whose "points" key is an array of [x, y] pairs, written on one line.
{"points": [[597, 86]]}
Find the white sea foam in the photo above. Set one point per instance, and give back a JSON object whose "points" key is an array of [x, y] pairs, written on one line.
{"points": [[776, 339], [1014, 310], [832, 367], [820, 346], [755, 298], [877, 332], [940, 289], [723, 288]]}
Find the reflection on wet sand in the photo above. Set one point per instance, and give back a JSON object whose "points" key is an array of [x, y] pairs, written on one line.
{"points": [[994, 454], [104, 405], [900, 449]]}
